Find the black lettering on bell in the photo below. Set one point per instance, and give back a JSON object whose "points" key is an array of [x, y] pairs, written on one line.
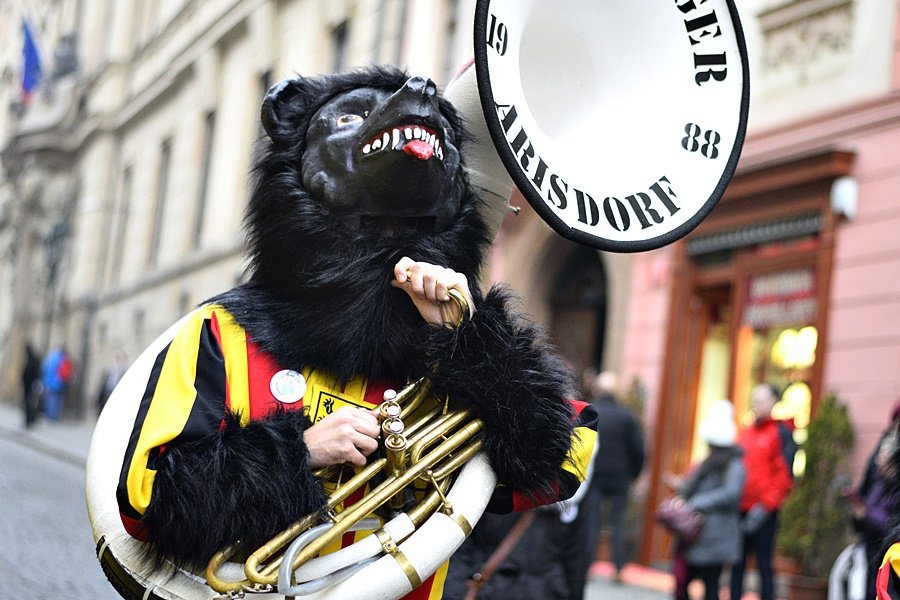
{"points": [[639, 210], [624, 221], [538, 179], [710, 60], [510, 117], [526, 155], [707, 25], [587, 204], [559, 192], [688, 6], [665, 195]]}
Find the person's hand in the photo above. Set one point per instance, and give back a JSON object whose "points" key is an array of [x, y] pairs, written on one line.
{"points": [[754, 519], [348, 435], [673, 481], [427, 286]]}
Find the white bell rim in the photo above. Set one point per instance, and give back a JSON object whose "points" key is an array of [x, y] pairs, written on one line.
{"points": [[613, 186]]}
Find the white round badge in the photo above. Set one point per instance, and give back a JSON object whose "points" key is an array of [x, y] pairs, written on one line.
{"points": [[288, 386]]}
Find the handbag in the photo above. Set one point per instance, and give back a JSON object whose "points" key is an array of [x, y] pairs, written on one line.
{"points": [[675, 514]]}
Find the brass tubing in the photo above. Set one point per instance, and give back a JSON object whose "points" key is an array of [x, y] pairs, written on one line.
{"points": [[220, 585], [440, 428], [412, 396], [457, 460], [424, 420], [252, 565], [380, 495]]}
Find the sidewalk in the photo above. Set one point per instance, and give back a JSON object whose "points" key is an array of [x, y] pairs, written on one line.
{"points": [[65, 439], [70, 440]]}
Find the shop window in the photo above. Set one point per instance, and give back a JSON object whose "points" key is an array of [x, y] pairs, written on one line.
{"points": [[784, 357]]}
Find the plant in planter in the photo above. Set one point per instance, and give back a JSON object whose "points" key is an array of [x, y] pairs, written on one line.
{"points": [[815, 523]]}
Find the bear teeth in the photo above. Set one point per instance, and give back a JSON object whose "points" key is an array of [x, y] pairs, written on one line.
{"points": [[396, 138]]}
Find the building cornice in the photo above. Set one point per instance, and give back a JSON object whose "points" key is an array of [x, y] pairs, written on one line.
{"points": [[820, 132]]}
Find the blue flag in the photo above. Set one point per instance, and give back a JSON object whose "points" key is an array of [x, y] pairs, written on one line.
{"points": [[31, 64]]}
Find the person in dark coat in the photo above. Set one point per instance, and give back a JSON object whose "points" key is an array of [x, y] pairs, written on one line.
{"points": [[618, 462], [714, 489], [31, 377], [530, 570], [872, 514]]}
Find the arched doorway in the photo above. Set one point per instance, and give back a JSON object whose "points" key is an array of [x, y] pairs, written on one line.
{"points": [[578, 306]]}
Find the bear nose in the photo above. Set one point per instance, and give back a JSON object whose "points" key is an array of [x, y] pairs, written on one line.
{"points": [[422, 86]]}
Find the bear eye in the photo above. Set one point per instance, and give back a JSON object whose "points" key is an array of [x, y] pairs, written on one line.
{"points": [[348, 119]]}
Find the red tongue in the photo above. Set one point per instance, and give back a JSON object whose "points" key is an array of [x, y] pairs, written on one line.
{"points": [[419, 148]]}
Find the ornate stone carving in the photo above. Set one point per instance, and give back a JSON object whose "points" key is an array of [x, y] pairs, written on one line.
{"points": [[801, 36]]}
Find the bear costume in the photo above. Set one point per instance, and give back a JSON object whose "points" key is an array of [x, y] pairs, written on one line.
{"points": [[361, 220]]}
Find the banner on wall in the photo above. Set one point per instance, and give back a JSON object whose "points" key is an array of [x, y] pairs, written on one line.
{"points": [[781, 299]]}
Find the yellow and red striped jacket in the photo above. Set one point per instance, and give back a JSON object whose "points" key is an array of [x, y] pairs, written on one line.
{"points": [[211, 367], [887, 584]]}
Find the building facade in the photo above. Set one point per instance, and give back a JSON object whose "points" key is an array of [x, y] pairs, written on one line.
{"points": [[124, 182]]}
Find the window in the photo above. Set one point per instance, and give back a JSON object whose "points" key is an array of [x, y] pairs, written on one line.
{"points": [[165, 156], [339, 39], [200, 208], [120, 226], [451, 29]]}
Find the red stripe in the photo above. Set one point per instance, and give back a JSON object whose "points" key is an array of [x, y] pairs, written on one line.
{"points": [[883, 583], [217, 333], [522, 501], [578, 406], [375, 392], [134, 527], [422, 592], [261, 367]]}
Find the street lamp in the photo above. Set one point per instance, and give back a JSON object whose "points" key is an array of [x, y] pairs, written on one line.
{"points": [[53, 250]]}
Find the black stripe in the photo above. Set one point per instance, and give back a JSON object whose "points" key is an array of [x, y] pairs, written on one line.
{"points": [[568, 485], [122, 490], [209, 407]]}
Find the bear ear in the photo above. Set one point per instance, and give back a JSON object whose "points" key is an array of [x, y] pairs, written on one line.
{"points": [[274, 111]]}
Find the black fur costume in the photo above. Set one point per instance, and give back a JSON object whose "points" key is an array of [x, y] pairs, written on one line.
{"points": [[319, 294]]}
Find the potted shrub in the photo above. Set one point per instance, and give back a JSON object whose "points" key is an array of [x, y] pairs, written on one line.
{"points": [[815, 523]]}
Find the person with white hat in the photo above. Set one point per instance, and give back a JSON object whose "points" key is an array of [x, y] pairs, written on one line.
{"points": [[714, 489]]}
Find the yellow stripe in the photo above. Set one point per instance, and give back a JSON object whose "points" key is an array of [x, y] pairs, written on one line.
{"points": [[169, 409], [437, 587], [893, 556], [237, 378], [583, 439]]}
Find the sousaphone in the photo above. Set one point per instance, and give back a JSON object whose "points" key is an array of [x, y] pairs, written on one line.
{"points": [[620, 121]]}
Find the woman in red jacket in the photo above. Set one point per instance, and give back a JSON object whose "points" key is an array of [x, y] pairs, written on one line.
{"points": [[767, 485]]}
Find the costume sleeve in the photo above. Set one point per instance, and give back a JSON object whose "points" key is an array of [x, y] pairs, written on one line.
{"points": [[887, 584], [198, 474], [496, 364], [184, 399]]}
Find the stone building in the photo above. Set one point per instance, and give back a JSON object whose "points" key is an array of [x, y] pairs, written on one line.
{"points": [[124, 183]]}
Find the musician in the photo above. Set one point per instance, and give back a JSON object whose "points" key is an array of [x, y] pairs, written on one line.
{"points": [[360, 224]]}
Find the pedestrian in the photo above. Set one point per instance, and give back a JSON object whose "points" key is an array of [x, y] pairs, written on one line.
{"points": [[768, 483], [870, 474], [56, 374], [618, 462], [110, 378], [713, 488], [31, 384], [872, 513], [509, 556], [887, 581]]}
